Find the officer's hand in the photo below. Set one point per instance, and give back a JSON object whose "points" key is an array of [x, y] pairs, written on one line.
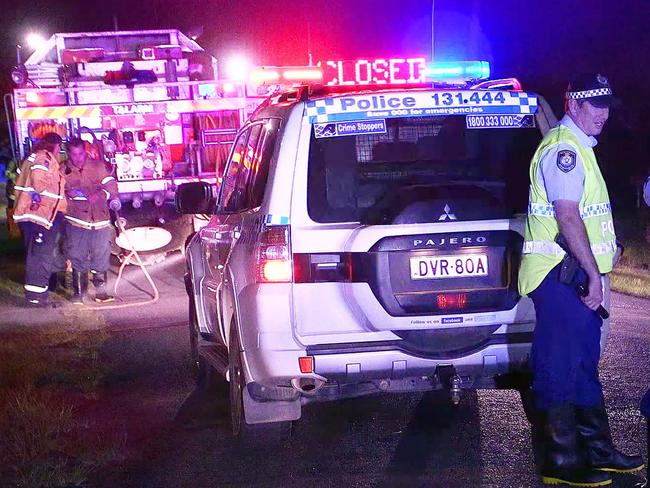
{"points": [[594, 298], [115, 205]]}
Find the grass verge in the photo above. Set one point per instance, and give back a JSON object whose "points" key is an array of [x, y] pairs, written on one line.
{"points": [[48, 379], [631, 281], [632, 275]]}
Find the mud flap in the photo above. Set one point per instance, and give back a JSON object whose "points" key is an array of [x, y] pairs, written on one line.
{"points": [[265, 412]]}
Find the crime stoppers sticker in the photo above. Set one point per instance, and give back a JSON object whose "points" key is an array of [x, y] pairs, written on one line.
{"points": [[336, 129]]}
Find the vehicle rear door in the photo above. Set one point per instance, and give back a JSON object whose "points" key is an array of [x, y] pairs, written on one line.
{"points": [[415, 227]]}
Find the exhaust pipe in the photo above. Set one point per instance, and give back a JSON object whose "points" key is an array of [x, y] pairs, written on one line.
{"points": [[307, 386]]}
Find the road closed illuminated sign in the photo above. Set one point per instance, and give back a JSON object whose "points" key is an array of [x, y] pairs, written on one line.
{"points": [[374, 71]]}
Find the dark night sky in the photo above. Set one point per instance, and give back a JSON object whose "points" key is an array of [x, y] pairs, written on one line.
{"points": [[540, 41]]}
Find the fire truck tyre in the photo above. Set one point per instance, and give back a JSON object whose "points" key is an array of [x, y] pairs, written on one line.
{"points": [[252, 435]]}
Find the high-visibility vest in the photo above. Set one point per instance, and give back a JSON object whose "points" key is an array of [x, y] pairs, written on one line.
{"points": [[540, 252]]}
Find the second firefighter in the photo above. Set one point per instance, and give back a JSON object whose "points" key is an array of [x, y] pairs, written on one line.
{"points": [[90, 190]]}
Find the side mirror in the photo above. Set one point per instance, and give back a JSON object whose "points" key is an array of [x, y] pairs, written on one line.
{"points": [[196, 197]]}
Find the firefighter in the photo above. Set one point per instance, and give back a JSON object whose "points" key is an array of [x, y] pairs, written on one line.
{"points": [[40, 205], [569, 196], [11, 173], [90, 191]]}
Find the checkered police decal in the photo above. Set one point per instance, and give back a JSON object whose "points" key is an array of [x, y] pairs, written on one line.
{"points": [[419, 104], [599, 92]]}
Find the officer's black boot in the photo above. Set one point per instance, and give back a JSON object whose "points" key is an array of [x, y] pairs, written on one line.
{"points": [[596, 439], [78, 287], [563, 464], [99, 280]]}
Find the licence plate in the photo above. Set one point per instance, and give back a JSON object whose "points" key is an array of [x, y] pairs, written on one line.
{"points": [[458, 266]]}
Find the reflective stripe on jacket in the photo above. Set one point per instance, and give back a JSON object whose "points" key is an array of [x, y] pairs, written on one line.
{"points": [[540, 252], [39, 178], [88, 191]]}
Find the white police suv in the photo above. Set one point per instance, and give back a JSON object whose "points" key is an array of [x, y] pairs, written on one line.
{"points": [[365, 239]]}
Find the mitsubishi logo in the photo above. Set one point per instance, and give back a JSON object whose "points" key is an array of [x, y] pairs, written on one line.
{"points": [[447, 214]]}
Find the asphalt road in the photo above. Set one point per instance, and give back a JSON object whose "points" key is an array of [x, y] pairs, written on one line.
{"points": [[180, 435]]}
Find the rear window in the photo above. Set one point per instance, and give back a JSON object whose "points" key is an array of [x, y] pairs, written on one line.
{"points": [[424, 169]]}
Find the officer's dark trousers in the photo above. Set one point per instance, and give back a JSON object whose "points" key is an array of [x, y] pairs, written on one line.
{"points": [[566, 346], [42, 256], [88, 249]]}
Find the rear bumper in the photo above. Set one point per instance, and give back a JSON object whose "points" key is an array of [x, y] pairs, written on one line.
{"points": [[476, 369], [387, 366]]}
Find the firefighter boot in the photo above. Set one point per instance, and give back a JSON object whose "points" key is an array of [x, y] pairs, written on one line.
{"points": [[99, 280], [596, 438], [78, 287], [563, 464]]}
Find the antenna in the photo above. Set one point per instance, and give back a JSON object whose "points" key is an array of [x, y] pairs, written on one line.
{"points": [[309, 44], [433, 8]]}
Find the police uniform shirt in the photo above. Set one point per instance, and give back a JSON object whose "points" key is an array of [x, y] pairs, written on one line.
{"points": [[561, 170]]}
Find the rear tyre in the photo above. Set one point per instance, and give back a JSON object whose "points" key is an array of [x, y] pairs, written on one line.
{"points": [[256, 435]]}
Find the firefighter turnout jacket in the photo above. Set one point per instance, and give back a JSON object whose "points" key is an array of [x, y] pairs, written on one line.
{"points": [[88, 191], [39, 188]]}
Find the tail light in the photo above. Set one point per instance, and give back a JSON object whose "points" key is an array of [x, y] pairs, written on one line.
{"points": [[452, 301], [274, 264]]}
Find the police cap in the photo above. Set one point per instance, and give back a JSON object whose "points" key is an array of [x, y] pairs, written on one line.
{"points": [[592, 87]]}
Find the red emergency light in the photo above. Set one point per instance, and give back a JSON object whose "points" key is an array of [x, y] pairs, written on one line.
{"points": [[37, 98], [271, 75], [128, 75]]}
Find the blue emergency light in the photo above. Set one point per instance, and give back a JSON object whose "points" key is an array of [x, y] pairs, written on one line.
{"points": [[457, 71]]}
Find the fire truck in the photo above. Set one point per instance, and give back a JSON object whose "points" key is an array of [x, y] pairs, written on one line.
{"points": [[148, 103]]}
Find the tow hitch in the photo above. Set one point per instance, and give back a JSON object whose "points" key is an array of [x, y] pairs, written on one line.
{"points": [[446, 375]]}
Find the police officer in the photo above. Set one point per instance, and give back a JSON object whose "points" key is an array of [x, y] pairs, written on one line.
{"points": [[40, 204], [89, 190], [568, 196]]}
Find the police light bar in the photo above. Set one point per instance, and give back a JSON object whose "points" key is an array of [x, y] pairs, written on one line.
{"points": [[371, 71], [274, 75], [455, 72]]}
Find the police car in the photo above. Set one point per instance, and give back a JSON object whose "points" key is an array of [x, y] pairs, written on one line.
{"points": [[366, 238]]}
